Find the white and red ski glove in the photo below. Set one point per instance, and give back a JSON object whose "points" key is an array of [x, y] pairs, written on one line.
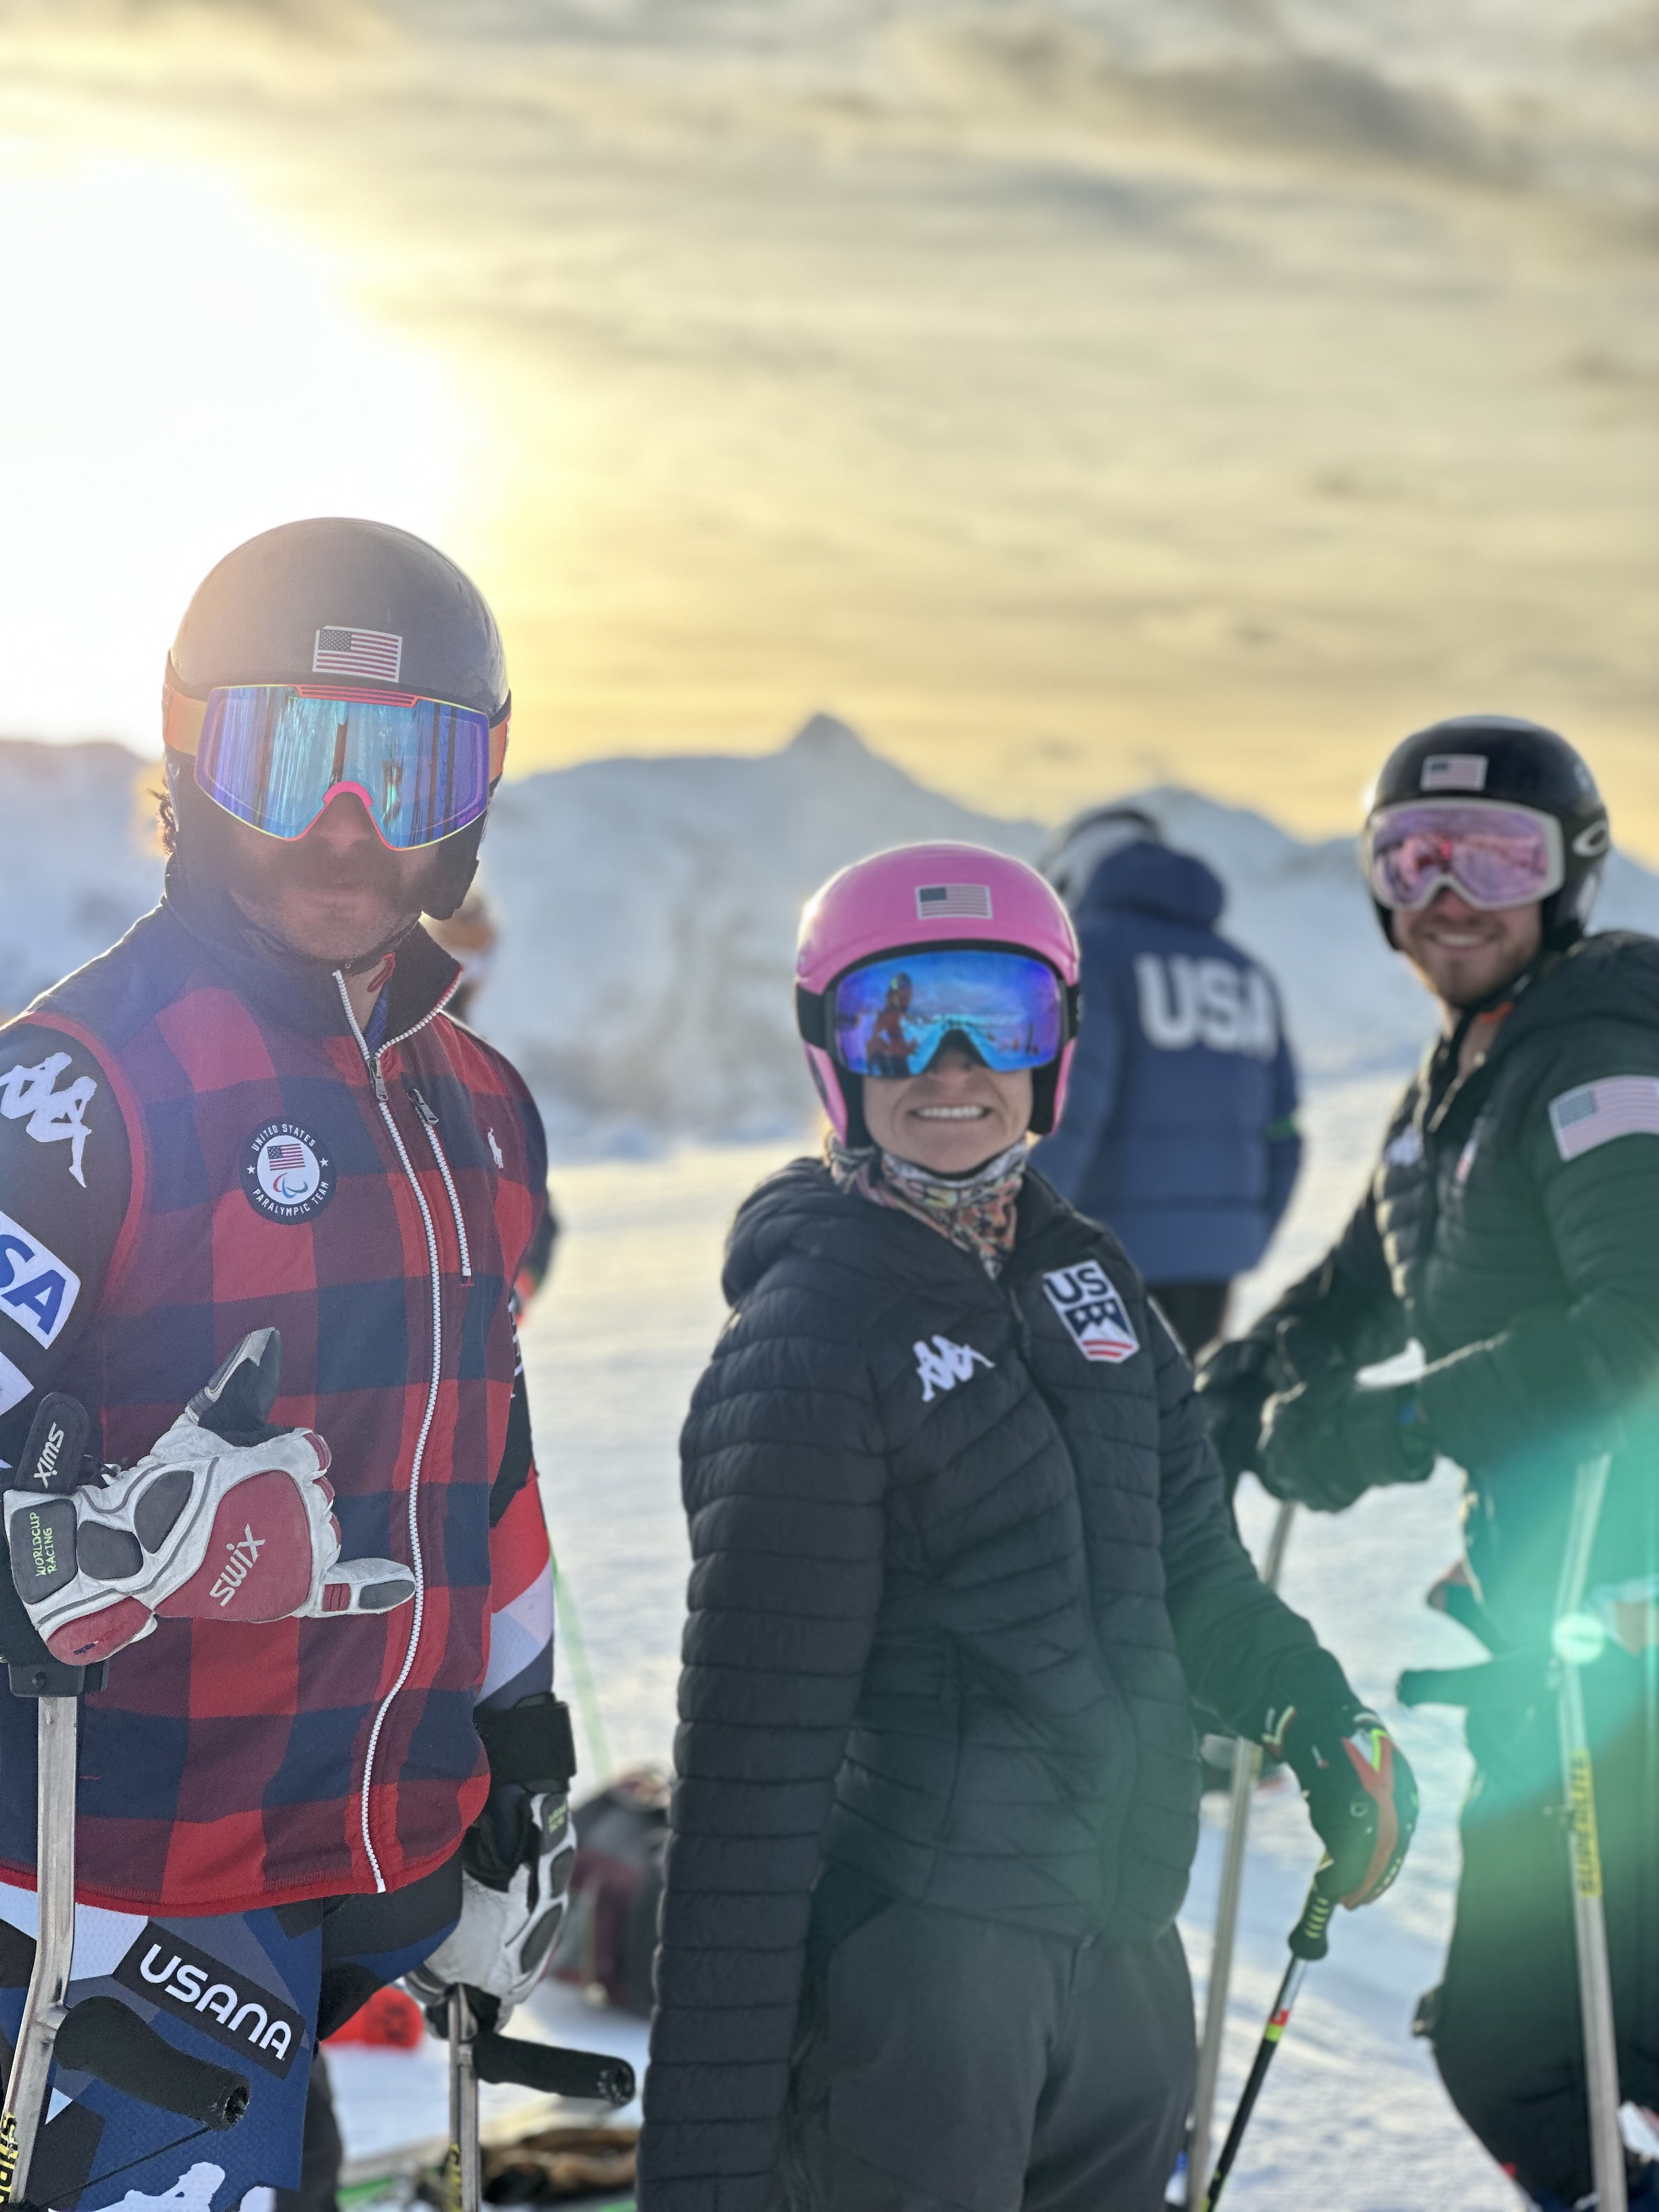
{"points": [[225, 1519]]}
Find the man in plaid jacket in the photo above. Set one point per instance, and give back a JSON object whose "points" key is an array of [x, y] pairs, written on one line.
{"points": [[328, 1754]]}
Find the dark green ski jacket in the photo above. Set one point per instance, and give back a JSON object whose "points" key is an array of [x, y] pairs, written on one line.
{"points": [[1511, 1226]]}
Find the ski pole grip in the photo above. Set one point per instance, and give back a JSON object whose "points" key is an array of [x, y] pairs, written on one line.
{"points": [[101, 2037], [585, 2073], [1311, 1937]]}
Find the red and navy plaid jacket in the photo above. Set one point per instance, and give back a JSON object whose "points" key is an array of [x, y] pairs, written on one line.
{"points": [[194, 1142]]}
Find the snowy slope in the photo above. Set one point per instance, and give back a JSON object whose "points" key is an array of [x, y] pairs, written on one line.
{"points": [[643, 981], [81, 865]]}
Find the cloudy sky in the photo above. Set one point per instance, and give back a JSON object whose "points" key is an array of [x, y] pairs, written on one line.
{"points": [[1070, 394]]}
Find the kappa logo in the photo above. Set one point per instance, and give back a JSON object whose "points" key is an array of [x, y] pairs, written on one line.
{"points": [[243, 1551], [1095, 1318], [218, 1999], [285, 1173], [55, 1117], [37, 1289], [942, 1365], [1405, 1150]]}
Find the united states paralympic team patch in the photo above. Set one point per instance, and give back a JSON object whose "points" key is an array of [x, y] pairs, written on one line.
{"points": [[1094, 1315], [287, 1175], [1596, 1113]]}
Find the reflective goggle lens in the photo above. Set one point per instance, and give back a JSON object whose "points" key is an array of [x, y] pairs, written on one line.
{"points": [[274, 756], [891, 1015], [1492, 856]]}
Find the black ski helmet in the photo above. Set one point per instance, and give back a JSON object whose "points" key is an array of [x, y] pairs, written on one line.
{"points": [[258, 616], [1525, 763]]}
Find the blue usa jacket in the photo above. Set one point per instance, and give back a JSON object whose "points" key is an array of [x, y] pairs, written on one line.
{"points": [[1179, 1130]]}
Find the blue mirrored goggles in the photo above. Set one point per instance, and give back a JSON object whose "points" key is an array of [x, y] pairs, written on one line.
{"points": [[274, 755], [890, 1016]]}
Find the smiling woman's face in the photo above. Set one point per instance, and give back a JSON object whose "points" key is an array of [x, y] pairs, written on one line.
{"points": [[952, 1117]]}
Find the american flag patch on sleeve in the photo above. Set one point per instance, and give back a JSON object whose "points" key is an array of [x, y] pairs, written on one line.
{"points": [[1596, 1113], [373, 653], [954, 901]]}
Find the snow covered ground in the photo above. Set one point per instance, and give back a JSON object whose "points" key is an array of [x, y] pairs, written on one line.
{"points": [[1354, 2118]]}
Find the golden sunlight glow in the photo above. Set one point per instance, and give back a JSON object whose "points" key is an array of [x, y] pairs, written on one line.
{"points": [[178, 374]]}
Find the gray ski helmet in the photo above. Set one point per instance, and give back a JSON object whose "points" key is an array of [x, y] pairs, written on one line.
{"points": [[1078, 847], [258, 617], [1519, 761]]}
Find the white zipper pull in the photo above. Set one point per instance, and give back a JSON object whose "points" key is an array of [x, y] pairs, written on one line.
{"points": [[377, 1079], [430, 1117]]}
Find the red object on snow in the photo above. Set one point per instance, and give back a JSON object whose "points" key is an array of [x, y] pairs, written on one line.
{"points": [[391, 2020]]}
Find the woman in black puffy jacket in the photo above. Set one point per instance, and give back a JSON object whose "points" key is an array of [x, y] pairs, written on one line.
{"points": [[962, 1560]]}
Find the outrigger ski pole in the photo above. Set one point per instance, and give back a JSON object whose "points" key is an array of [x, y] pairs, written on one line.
{"points": [[1247, 1769], [99, 2036], [1576, 1638], [1310, 1940], [478, 2054]]}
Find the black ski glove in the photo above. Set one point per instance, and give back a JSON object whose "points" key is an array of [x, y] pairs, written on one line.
{"points": [[1234, 1381], [1328, 1439], [1361, 1794]]}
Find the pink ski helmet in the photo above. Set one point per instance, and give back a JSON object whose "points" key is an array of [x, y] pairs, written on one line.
{"points": [[919, 898]]}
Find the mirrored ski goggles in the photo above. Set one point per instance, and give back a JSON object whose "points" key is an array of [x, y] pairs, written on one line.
{"points": [[275, 754], [1493, 855], [891, 1015]]}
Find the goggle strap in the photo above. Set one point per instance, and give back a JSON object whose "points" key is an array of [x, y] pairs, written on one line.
{"points": [[810, 1017], [181, 721]]}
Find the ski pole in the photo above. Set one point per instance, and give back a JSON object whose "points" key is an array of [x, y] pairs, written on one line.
{"points": [[99, 2036], [461, 2175], [1247, 1768], [1310, 1940], [1574, 1641], [480, 2055]]}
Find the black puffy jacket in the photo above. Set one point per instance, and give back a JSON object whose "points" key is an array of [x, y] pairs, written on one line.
{"points": [[1511, 1226], [960, 1548]]}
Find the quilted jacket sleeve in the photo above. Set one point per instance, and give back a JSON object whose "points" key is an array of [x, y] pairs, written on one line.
{"points": [[784, 1479], [1577, 1360], [1244, 1651]]}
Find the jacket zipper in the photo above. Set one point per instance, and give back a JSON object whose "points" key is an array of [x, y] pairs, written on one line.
{"points": [[372, 1063], [430, 1119]]}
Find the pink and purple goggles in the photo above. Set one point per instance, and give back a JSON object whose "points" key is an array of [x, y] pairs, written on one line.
{"points": [[275, 754], [888, 1016], [1492, 854]]}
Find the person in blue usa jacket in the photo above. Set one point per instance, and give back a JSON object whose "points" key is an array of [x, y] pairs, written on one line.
{"points": [[1180, 1126]]}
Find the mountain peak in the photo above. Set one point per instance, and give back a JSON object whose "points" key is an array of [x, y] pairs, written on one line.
{"points": [[826, 736]]}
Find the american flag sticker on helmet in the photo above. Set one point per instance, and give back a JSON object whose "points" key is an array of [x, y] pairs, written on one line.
{"points": [[1454, 772], [954, 902], [1596, 1113], [375, 654]]}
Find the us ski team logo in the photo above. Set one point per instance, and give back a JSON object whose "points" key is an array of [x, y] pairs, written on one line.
{"points": [[1095, 1316], [285, 1173]]}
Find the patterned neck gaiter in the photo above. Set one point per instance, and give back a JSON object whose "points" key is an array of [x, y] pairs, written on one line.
{"points": [[975, 1210]]}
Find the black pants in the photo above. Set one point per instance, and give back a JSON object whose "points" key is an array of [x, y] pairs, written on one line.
{"points": [[1507, 2028], [367, 1942], [1195, 1312], [946, 2064]]}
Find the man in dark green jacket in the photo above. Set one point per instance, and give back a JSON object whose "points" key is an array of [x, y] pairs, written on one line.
{"points": [[1511, 1228]]}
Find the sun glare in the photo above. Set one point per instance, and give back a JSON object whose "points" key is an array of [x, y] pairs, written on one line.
{"points": [[178, 373]]}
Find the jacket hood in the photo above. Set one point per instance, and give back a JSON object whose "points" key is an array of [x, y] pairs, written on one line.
{"points": [[799, 1209], [1613, 977], [1149, 878]]}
